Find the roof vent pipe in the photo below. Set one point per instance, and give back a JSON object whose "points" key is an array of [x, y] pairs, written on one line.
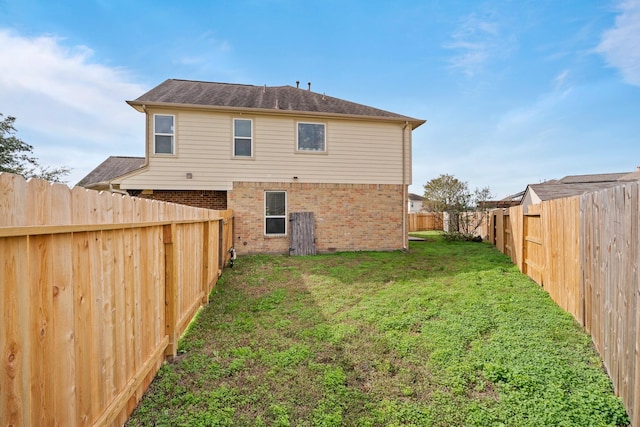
{"points": [[309, 85], [297, 84]]}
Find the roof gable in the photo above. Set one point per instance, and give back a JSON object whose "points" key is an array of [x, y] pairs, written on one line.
{"points": [[267, 98]]}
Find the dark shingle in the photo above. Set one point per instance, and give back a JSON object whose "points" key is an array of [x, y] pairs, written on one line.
{"points": [[274, 98], [111, 168], [575, 185], [600, 177], [558, 190]]}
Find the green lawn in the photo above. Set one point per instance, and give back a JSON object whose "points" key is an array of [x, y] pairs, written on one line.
{"points": [[449, 334]]}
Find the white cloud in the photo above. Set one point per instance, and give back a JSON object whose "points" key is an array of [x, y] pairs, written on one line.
{"points": [[205, 55], [477, 41], [72, 110], [559, 82], [619, 45]]}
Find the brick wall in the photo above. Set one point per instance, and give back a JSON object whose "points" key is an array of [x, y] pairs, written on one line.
{"points": [[348, 217], [199, 198]]}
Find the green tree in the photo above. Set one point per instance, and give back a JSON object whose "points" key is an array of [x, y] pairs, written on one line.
{"points": [[16, 156], [464, 210]]}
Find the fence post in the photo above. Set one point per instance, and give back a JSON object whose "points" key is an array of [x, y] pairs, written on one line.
{"points": [[170, 289]]}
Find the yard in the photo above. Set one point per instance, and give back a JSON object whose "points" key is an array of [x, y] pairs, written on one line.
{"points": [[449, 334]]}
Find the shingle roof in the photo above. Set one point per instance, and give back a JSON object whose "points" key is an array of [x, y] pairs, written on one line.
{"points": [[413, 196], [575, 185], [271, 98], [633, 176], [113, 167], [558, 190], [601, 177]]}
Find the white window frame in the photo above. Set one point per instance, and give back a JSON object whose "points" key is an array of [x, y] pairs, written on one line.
{"points": [[172, 134], [250, 139], [305, 150], [266, 217]]}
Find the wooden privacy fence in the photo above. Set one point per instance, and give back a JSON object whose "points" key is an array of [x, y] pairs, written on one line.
{"points": [[585, 251], [472, 222], [95, 290], [424, 221]]}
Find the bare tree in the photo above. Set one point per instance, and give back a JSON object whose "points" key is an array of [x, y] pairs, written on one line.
{"points": [[463, 210]]}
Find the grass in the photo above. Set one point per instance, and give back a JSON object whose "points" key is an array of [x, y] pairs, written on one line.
{"points": [[448, 334]]}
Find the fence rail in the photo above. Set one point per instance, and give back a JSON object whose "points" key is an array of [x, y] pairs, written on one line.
{"points": [[95, 290], [585, 251]]}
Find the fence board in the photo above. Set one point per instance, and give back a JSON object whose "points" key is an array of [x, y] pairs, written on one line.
{"points": [[588, 249], [561, 250], [82, 326], [82, 295], [13, 204], [15, 384], [533, 260], [61, 316], [96, 342], [500, 229], [507, 239], [516, 234], [632, 353], [610, 259], [41, 345]]}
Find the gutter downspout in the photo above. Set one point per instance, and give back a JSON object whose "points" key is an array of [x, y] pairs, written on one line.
{"points": [[405, 237], [147, 144]]}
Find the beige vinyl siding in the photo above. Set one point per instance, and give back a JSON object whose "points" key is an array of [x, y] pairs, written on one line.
{"points": [[358, 152], [408, 155]]}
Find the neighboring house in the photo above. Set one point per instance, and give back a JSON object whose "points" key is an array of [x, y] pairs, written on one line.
{"points": [[101, 177], [415, 203], [507, 202], [269, 152], [574, 185]]}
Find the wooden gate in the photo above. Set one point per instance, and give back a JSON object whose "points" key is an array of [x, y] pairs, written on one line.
{"points": [[303, 236]]}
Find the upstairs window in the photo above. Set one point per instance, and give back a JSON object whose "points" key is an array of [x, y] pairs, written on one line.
{"points": [[242, 138], [311, 137], [275, 208], [163, 131]]}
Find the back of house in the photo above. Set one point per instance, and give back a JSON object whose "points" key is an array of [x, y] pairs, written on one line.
{"points": [[271, 152]]}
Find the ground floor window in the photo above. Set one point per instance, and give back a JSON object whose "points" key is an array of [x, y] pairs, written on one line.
{"points": [[275, 208]]}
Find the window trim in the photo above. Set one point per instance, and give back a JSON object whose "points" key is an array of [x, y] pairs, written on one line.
{"points": [[172, 135], [275, 216], [234, 137], [297, 142]]}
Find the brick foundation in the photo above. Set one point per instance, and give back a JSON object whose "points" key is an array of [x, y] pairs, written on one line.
{"points": [[348, 217], [199, 198]]}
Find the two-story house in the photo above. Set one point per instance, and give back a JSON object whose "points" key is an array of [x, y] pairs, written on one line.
{"points": [[269, 153], [415, 203]]}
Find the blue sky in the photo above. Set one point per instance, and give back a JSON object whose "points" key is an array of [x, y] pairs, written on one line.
{"points": [[514, 92]]}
